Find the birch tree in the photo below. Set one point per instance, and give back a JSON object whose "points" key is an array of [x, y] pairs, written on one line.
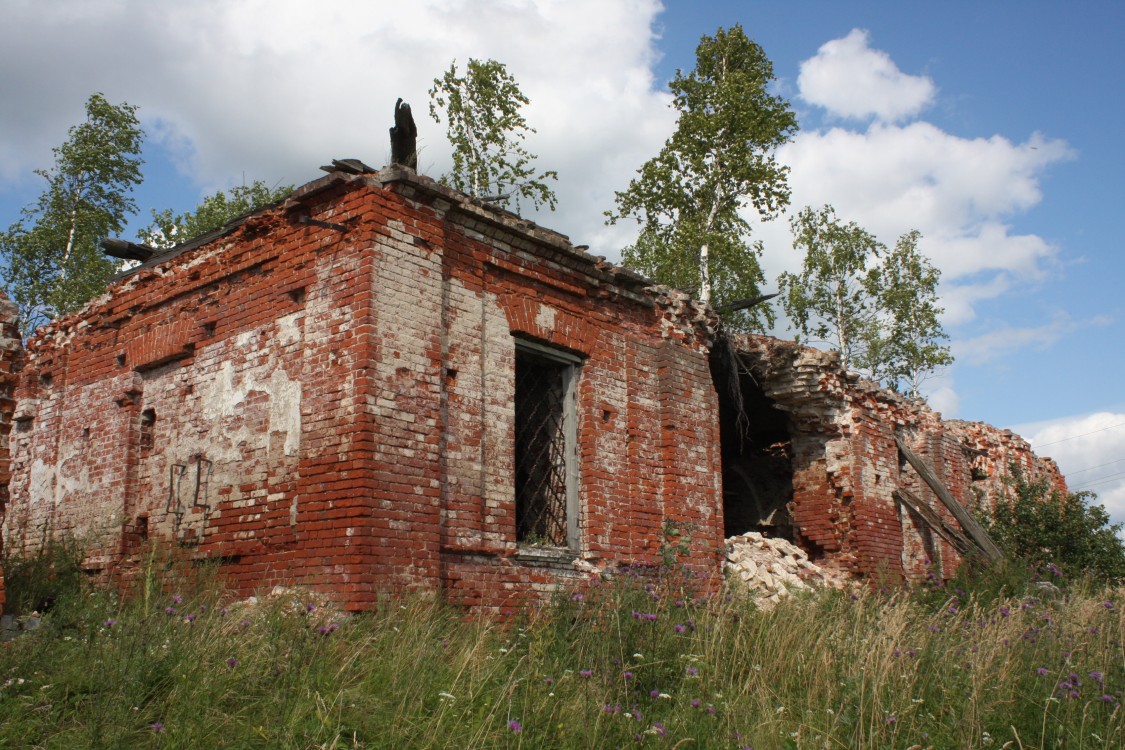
{"points": [[692, 198], [909, 346], [485, 125], [835, 297], [53, 259]]}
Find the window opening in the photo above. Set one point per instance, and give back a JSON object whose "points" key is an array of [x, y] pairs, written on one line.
{"points": [[546, 446]]}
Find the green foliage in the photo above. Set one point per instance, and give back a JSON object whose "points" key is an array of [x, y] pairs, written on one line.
{"points": [[907, 347], [835, 298], [1057, 531], [485, 127], [53, 259], [690, 198], [168, 230], [878, 309]]}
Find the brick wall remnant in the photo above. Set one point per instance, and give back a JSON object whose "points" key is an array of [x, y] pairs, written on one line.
{"points": [[846, 466]]}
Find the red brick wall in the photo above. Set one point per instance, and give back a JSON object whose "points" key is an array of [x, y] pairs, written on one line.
{"points": [[11, 349], [334, 408]]}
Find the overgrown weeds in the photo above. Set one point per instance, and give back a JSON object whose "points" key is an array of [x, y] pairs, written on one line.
{"points": [[639, 660]]}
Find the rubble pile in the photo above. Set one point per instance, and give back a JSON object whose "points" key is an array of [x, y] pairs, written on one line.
{"points": [[771, 568]]}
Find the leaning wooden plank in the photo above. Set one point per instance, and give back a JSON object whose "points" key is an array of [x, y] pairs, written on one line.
{"points": [[956, 539], [979, 536]]}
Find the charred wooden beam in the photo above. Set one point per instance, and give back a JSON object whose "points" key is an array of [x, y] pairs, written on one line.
{"points": [[744, 304], [116, 248]]}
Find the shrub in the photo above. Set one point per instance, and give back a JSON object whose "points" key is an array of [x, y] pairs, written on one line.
{"points": [[37, 581], [1056, 531]]}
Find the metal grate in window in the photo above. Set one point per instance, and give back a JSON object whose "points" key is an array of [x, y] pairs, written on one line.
{"points": [[542, 463]]}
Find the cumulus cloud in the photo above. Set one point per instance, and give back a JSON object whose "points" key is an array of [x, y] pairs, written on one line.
{"points": [[1090, 451], [898, 173], [270, 90], [851, 80]]}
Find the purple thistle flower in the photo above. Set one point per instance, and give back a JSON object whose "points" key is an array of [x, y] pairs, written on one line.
{"points": [[169, 610], [310, 608], [1042, 671], [658, 727], [1107, 605], [680, 628], [177, 599], [156, 726], [695, 703], [892, 720], [110, 623], [1075, 694], [1004, 612], [223, 612], [654, 694], [628, 675], [323, 630], [578, 597], [1106, 698], [515, 726], [232, 662], [897, 652], [692, 671], [548, 681], [189, 619], [710, 709], [1097, 676]]}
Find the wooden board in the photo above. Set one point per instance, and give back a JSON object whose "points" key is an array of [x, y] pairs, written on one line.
{"points": [[978, 535], [956, 539]]}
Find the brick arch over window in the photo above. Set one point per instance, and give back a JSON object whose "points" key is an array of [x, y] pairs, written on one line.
{"points": [[549, 324]]}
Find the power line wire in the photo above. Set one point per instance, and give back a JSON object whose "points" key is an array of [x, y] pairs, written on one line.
{"points": [[1091, 468], [1075, 437], [1102, 480]]}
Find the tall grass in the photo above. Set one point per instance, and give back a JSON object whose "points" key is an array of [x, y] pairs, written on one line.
{"points": [[634, 661]]}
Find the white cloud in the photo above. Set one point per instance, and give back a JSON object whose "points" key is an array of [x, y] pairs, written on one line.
{"points": [[1003, 340], [271, 90], [1090, 451], [850, 79]]}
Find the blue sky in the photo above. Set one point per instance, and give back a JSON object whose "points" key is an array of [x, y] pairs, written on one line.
{"points": [[995, 128]]}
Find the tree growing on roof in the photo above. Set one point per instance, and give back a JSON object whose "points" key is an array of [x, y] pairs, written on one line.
{"points": [[487, 130], [908, 346], [878, 309], [691, 199], [168, 229], [53, 259], [835, 297]]}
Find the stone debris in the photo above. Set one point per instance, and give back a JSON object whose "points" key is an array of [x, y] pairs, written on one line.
{"points": [[771, 568]]}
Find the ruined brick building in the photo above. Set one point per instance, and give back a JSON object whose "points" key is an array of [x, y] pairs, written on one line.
{"points": [[380, 384]]}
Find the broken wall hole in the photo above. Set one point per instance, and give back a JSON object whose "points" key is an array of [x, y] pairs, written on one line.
{"points": [[756, 453], [147, 430]]}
